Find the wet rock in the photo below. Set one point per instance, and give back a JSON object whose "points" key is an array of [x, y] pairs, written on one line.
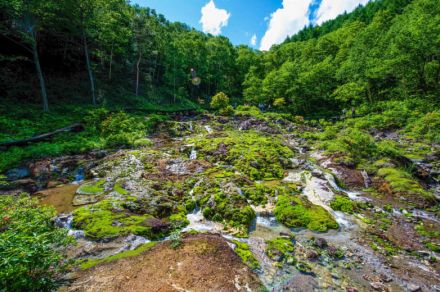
{"points": [[317, 173], [156, 224], [320, 242], [377, 286], [17, 173], [81, 200], [351, 178], [312, 255], [414, 288]]}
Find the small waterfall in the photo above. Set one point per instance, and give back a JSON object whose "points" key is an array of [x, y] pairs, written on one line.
{"points": [[193, 154], [367, 179], [208, 129], [191, 129]]}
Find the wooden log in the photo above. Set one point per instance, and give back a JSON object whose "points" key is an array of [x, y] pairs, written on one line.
{"points": [[43, 137]]}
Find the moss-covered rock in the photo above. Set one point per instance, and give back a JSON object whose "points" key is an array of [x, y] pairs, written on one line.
{"points": [[255, 155], [296, 211], [243, 251], [107, 219], [92, 188], [281, 250], [344, 204]]}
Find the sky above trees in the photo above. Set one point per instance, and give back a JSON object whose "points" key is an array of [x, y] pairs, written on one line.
{"points": [[259, 24]]}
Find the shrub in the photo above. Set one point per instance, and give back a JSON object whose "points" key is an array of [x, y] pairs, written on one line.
{"points": [[121, 129], [219, 101], [30, 245]]}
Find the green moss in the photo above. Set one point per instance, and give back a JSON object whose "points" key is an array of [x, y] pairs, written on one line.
{"points": [[281, 249], [433, 246], [402, 182], [344, 204], [119, 189], [297, 212], [106, 220], [255, 155], [243, 251], [90, 263], [304, 268], [227, 207], [93, 188]]}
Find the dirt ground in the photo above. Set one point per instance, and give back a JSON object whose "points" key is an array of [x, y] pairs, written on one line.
{"points": [[201, 263]]}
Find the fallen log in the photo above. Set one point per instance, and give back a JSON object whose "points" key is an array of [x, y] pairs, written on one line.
{"points": [[43, 137]]}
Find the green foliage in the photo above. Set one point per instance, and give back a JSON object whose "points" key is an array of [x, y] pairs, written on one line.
{"points": [[90, 263], [426, 128], [297, 212], [243, 251], [31, 247], [121, 129], [219, 101]]}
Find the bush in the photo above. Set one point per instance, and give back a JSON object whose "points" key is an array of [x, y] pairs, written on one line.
{"points": [[30, 245], [219, 101], [121, 129]]}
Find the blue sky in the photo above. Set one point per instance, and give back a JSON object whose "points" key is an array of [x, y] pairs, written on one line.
{"points": [[257, 23]]}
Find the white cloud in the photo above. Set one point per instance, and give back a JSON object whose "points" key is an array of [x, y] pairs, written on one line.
{"points": [[330, 9], [253, 41], [286, 21], [213, 19]]}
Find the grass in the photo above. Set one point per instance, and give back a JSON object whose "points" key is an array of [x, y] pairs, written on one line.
{"points": [[90, 263]]}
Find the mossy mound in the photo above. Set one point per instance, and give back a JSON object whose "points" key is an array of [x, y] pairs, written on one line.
{"points": [[253, 154], [222, 202], [281, 249], [344, 204], [295, 211], [243, 251], [108, 219]]}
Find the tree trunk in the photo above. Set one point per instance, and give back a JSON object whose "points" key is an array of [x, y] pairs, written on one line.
{"points": [[39, 73], [137, 73], [89, 68], [110, 65]]}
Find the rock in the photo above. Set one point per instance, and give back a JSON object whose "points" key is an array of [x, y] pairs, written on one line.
{"points": [[414, 288], [317, 173], [156, 224], [312, 255], [351, 289], [385, 278], [80, 200], [320, 242], [378, 286]]}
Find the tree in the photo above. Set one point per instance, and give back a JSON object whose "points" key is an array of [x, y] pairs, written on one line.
{"points": [[31, 17]]}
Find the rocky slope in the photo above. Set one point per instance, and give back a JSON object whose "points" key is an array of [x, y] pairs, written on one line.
{"points": [[299, 218]]}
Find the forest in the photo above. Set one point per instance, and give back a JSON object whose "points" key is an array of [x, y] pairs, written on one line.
{"points": [[318, 160]]}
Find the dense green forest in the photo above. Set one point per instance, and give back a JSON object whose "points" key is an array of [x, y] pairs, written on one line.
{"points": [[317, 160], [111, 51]]}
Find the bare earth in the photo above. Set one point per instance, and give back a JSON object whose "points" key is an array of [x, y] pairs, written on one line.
{"points": [[202, 263]]}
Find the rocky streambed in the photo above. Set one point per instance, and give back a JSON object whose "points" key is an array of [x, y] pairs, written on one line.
{"points": [[234, 204]]}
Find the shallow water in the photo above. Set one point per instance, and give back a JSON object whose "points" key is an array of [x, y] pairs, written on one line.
{"points": [[60, 197]]}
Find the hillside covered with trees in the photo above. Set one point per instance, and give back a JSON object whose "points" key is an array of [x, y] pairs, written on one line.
{"points": [[155, 156]]}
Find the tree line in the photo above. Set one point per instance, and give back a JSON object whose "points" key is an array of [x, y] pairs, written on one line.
{"points": [[108, 48], [98, 48], [389, 49]]}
